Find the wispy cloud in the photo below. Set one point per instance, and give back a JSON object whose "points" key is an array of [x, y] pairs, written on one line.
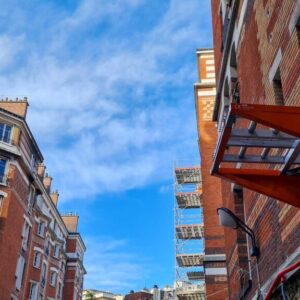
{"points": [[108, 108], [110, 266]]}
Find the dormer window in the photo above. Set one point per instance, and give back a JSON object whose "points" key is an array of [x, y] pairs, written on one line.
{"points": [[5, 133]]}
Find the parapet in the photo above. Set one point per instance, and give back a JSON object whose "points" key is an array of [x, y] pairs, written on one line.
{"points": [[16, 106]]}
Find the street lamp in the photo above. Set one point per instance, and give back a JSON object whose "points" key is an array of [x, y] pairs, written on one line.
{"points": [[228, 219]]}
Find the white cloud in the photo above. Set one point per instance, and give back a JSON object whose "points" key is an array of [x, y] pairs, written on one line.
{"points": [[110, 266], [10, 47], [109, 121]]}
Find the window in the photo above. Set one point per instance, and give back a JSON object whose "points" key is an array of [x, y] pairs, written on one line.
{"points": [[5, 132], [47, 247], [20, 272], [37, 259], [41, 229], [44, 275], [25, 235], [31, 198], [298, 30], [1, 203], [59, 290], [56, 251], [53, 278], [33, 293], [277, 86], [2, 169]]}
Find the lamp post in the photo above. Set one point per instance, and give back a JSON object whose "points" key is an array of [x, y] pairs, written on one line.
{"points": [[228, 219]]}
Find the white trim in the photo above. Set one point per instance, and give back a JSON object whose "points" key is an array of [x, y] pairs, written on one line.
{"points": [[54, 269], [210, 62], [27, 220], [210, 75], [209, 56], [207, 93], [210, 80], [275, 65], [38, 249], [3, 194], [294, 18], [215, 271], [210, 68]]}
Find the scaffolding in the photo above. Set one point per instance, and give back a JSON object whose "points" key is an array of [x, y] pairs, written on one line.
{"points": [[189, 231]]}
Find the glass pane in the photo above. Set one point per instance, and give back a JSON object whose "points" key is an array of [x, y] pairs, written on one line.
{"points": [[1, 131], [2, 169], [6, 136]]}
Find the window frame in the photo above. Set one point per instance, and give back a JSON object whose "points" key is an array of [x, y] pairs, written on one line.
{"points": [[34, 296], [2, 137], [37, 258]]}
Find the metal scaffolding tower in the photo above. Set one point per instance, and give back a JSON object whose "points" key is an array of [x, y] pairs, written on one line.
{"points": [[189, 273]]}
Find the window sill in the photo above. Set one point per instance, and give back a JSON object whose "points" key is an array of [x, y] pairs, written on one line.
{"points": [[37, 267]]}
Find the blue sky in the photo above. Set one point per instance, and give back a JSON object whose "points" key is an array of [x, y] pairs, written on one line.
{"points": [[110, 87]]}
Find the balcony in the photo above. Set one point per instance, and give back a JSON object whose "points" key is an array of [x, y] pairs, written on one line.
{"points": [[259, 149]]}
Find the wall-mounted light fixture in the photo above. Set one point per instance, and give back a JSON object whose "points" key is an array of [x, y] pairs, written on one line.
{"points": [[228, 219]]}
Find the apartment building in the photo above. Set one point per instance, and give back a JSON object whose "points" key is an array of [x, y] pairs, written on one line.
{"points": [[214, 259], [256, 112], [41, 252]]}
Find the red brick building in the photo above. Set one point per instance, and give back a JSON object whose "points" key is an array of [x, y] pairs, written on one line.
{"points": [[41, 252], [214, 259], [256, 111]]}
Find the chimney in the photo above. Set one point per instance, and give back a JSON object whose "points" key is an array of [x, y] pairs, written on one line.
{"points": [[54, 197], [16, 106], [71, 221], [41, 170], [47, 183]]}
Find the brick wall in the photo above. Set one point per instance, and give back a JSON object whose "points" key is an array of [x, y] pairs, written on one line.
{"points": [[267, 38], [216, 285]]}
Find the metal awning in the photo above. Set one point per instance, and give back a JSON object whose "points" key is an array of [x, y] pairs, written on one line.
{"points": [[189, 260], [191, 175], [189, 200], [189, 232], [259, 149], [196, 275]]}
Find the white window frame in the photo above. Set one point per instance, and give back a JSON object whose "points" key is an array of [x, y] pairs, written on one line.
{"points": [[33, 294], [31, 196], [56, 250], [20, 272], [3, 133], [44, 273], [25, 235], [37, 259], [1, 203], [53, 277], [3, 179], [41, 229]]}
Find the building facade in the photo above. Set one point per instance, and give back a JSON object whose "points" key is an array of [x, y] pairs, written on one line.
{"points": [[214, 259], [41, 252], [256, 111]]}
